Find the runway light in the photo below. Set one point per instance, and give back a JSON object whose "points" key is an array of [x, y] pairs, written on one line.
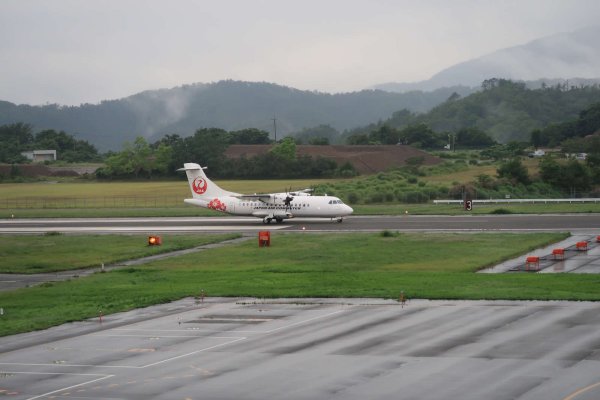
{"points": [[559, 253], [532, 262], [154, 240]]}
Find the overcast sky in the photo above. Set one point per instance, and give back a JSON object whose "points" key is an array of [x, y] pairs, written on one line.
{"points": [[75, 51]]}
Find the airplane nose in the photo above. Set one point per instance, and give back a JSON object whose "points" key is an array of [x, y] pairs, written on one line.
{"points": [[348, 210]]}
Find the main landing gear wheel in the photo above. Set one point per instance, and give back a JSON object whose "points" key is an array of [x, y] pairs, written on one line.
{"points": [[279, 220], [266, 220]]}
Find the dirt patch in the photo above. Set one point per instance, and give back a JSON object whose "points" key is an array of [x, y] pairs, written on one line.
{"points": [[366, 159], [37, 170], [26, 170]]}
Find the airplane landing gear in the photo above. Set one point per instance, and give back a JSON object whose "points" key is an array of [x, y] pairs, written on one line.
{"points": [[266, 220], [279, 220], [338, 219]]}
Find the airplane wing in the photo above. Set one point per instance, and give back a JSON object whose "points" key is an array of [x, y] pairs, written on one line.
{"points": [[303, 192], [256, 197]]}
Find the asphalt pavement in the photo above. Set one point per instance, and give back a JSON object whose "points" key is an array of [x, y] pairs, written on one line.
{"points": [[586, 223], [314, 349]]}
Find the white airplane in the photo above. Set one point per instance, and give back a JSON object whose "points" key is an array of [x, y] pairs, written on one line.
{"points": [[277, 206]]}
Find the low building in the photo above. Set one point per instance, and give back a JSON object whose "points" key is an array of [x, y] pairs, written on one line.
{"points": [[538, 153], [40, 155]]}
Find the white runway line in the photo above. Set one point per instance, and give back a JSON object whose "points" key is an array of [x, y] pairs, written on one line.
{"points": [[191, 353], [175, 336], [153, 219], [96, 229], [69, 387], [236, 339], [303, 322]]}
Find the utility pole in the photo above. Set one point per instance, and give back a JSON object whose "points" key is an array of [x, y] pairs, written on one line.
{"points": [[275, 127]]}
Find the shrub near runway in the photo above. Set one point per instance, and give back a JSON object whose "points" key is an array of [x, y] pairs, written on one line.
{"points": [[435, 266]]}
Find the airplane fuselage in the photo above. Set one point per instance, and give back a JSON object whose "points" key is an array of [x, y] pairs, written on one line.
{"points": [[301, 206]]}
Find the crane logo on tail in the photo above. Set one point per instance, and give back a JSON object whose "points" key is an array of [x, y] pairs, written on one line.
{"points": [[199, 185]]}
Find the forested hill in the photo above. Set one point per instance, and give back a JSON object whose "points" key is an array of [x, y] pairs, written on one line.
{"points": [[229, 105], [504, 109]]}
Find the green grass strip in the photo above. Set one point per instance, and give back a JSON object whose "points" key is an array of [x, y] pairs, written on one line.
{"points": [[56, 252], [434, 266]]}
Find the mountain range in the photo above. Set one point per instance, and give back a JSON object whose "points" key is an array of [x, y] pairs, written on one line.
{"points": [[234, 105], [230, 105], [573, 56]]}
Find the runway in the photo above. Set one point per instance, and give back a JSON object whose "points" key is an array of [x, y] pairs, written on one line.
{"points": [[583, 223], [314, 349]]}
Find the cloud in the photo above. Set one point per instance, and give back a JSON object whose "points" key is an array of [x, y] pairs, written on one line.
{"points": [[69, 51]]}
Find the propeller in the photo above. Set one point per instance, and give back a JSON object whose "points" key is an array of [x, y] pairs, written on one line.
{"points": [[288, 199]]}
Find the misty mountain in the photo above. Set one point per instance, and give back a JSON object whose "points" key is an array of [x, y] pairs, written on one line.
{"points": [[230, 105], [503, 109], [553, 59]]}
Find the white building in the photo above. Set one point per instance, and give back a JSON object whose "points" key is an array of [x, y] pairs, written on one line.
{"points": [[40, 155]]}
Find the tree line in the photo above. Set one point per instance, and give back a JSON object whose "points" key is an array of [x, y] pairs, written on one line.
{"points": [[19, 137], [207, 147], [505, 110]]}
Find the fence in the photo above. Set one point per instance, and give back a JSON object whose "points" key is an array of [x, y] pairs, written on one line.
{"points": [[532, 201], [92, 202]]}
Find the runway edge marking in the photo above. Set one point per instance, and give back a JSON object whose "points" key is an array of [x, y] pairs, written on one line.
{"points": [[70, 387]]}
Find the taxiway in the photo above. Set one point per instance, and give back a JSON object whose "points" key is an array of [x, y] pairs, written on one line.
{"points": [[314, 349]]}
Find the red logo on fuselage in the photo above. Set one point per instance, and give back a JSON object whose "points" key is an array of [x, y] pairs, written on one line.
{"points": [[199, 185], [217, 205]]}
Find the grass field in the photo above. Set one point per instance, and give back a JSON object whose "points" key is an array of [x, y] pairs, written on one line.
{"points": [[472, 171], [49, 253], [98, 193], [434, 266], [90, 199]]}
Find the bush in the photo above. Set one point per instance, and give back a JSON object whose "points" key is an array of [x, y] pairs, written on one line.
{"points": [[413, 197], [376, 198], [353, 198]]}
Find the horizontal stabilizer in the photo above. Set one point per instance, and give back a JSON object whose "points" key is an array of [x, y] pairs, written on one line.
{"points": [[191, 167], [196, 202]]}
